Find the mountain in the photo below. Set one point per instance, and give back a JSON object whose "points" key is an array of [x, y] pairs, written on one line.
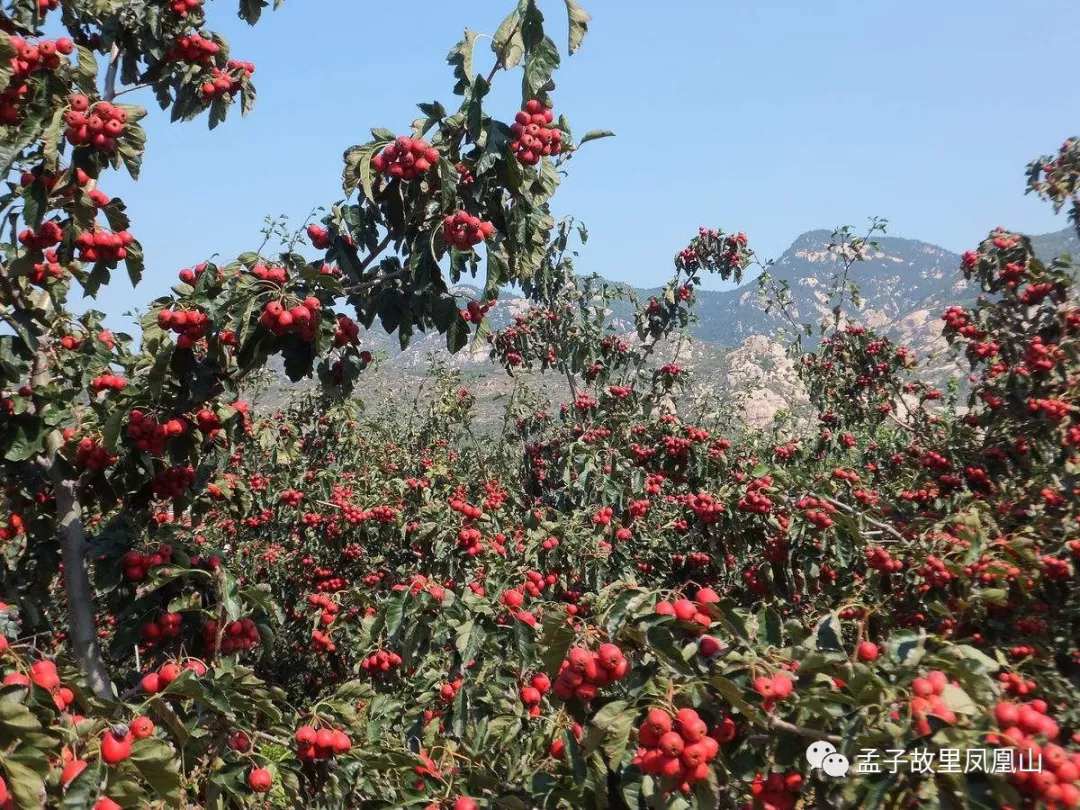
{"points": [[735, 349]]}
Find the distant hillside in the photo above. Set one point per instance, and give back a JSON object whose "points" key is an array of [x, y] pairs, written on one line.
{"points": [[904, 288]]}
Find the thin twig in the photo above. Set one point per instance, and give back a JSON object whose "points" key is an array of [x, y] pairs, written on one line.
{"points": [[776, 724], [877, 523]]}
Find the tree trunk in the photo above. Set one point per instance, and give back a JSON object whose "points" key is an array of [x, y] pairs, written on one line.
{"points": [[82, 634]]}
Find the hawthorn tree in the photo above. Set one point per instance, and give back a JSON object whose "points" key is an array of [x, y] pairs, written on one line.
{"points": [[607, 605], [100, 422]]}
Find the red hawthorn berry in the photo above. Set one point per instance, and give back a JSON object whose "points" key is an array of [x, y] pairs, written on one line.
{"points": [[114, 749], [867, 651], [151, 683], [72, 770], [260, 780]]}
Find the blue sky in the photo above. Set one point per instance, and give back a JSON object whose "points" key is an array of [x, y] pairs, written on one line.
{"points": [[757, 115]]}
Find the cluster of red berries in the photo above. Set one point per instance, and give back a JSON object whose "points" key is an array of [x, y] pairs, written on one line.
{"points": [[149, 434], [319, 236], [694, 613], [774, 689], [474, 311], [291, 497], [879, 559], [346, 331], [381, 661], [300, 320], [329, 607], [173, 482], [469, 538], [1016, 685], [241, 634], [154, 682], [277, 275], [678, 750], [44, 674], [222, 82], [706, 507], [321, 744], [465, 508], [191, 326], [189, 275], [103, 246], [755, 500], [1056, 779], [406, 158], [816, 511], [584, 672], [98, 126], [462, 230], [29, 58], [41, 55], [108, 382], [185, 7], [448, 691], [534, 136], [534, 691], [195, 49], [927, 701], [322, 641], [209, 423], [166, 626], [42, 272], [91, 455], [778, 791], [135, 564], [13, 528], [46, 236], [326, 581], [604, 516]]}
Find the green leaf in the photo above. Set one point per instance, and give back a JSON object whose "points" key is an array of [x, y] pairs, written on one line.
{"points": [[828, 634], [557, 639], [576, 759], [25, 785], [461, 57], [395, 614], [17, 719], [80, 792], [28, 441], [14, 143], [957, 699], [251, 10], [542, 62], [507, 43], [158, 764], [595, 135], [579, 25], [605, 718]]}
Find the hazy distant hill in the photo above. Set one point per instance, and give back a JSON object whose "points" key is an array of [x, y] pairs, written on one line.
{"points": [[904, 286]]}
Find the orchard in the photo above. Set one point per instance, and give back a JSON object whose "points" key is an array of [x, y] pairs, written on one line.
{"points": [[606, 605]]}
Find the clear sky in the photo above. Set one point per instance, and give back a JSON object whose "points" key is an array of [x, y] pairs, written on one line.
{"points": [[757, 115]]}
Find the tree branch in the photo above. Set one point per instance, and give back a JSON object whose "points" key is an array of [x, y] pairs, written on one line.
{"points": [[876, 523], [82, 634], [109, 92], [776, 724]]}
